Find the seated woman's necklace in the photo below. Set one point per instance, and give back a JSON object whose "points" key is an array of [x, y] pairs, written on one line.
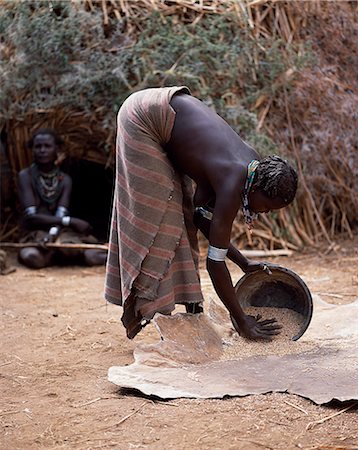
{"points": [[47, 184]]}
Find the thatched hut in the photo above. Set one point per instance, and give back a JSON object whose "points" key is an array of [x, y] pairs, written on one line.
{"points": [[272, 69]]}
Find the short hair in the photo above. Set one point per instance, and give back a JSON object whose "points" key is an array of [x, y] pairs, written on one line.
{"points": [[276, 178], [57, 139]]}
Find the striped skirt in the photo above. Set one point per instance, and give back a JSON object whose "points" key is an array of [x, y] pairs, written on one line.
{"points": [[153, 251]]}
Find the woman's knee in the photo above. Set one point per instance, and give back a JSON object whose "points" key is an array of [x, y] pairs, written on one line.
{"points": [[33, 258], [95, 257]]}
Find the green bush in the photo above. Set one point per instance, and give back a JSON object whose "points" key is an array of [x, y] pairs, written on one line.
{"points": [[55, 54]]}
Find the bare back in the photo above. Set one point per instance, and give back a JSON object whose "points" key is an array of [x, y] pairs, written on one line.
{"points": [[204, 147]]}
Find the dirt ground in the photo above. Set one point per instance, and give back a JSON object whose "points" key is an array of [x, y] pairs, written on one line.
{"points": [[59, 338]]}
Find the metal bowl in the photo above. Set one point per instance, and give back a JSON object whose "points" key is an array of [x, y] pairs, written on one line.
{"points": [[282, 289]]}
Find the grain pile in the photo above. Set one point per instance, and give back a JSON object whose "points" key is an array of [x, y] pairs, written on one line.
{"points": [[282, 344], [291, 321]]}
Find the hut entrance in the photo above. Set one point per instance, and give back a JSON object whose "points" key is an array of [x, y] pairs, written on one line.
{"points": [[91, 198]]}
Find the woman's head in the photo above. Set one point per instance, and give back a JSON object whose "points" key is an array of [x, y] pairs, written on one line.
{"points": [[44, 143], [274, 185]]}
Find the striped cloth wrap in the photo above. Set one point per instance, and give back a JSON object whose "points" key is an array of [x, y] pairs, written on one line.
{"points": [[153, 258]]}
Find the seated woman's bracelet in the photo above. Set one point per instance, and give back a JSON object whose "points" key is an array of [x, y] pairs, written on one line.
{"points": [[30, 211], [66, 220], [61, 211], [53, 231], [217, 254]]}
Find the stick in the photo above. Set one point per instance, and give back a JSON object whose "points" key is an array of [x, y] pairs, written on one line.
{"points": [[328, 294], [78, 246], [115, 424], [126, 417], [9, 412], [263, 253], [88, 403], [6, 363], [166, 403], [83, 246], [131, 414], [297, 407], [105, 13], [317, 422], [201, 437], [80, 405]]}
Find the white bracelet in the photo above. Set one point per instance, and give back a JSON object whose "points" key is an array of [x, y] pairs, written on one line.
{"points": [[217, 254], [61, 211], [30, 211], [66, 220], [204, 213], [53, 231]]}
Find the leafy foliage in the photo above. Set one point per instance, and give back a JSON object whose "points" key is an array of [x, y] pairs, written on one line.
{"points": [[56, 55]]}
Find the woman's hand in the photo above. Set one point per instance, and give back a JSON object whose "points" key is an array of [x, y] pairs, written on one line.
{"points": [[45, 240], [256, 329], [254, 266]]}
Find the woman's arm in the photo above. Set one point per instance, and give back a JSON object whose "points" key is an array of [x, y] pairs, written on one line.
{"points": [[203, 223], [246, 265], [218, 231], [40, 221]]}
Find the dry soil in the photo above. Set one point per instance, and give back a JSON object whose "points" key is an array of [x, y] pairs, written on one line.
{"points": [[59, 338]]}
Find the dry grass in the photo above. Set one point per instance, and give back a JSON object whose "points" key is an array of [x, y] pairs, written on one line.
{"points": [[313, 121]]}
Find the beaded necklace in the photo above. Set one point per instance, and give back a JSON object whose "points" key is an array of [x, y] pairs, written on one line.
{"points": [[48, 184], [249, 216]]}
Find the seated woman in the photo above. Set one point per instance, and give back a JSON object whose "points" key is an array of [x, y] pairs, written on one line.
{"points": [[44, 192]]}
